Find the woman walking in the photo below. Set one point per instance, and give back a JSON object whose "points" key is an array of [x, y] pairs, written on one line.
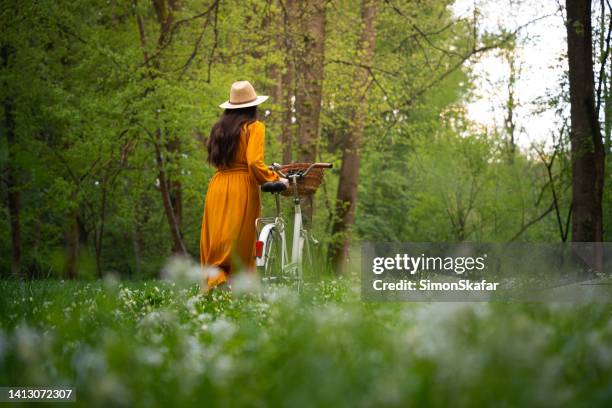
{"points": [[236, 149]]}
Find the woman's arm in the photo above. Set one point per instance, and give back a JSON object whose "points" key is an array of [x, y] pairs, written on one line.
{"points": [[255, 154]]}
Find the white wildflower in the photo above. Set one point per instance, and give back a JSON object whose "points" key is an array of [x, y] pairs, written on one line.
{"points": [[222, 329], [111, 280], [191, 304], [111, 390], [156, 318], [246, 283], [222, 367], [28, 342], [601, 347], [89, 363], [183, 271]]}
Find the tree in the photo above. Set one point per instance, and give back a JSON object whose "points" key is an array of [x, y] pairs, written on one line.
{"points": [[13, 194], [288, 81], [603, 102], [346, 200], [586, 142], [309, 84], [512, 103], [170, 190], [110, 109], [310, 58]]}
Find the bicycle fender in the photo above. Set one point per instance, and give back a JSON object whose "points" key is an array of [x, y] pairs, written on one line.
{"points": [[263, 237]]}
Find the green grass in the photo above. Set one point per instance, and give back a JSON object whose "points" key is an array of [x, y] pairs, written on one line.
{"points": [[160, 344]]}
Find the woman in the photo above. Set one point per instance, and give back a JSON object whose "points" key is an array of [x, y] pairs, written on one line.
{"points": [[236, 149]]}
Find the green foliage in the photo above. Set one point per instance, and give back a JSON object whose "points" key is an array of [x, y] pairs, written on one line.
{"points": [[94, 99], [154, 344], [90, 114]]}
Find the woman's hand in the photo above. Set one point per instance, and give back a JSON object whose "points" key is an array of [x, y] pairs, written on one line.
{"points": [[284, 181]]}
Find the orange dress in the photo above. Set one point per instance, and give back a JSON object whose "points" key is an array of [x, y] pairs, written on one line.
{"points": [[232, 205]]}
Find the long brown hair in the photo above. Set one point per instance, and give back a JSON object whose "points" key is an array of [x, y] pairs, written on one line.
{"points": [[225, 134]]}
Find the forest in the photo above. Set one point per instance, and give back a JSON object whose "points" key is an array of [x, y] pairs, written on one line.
{"points": [[479, 122], [107, 106]]}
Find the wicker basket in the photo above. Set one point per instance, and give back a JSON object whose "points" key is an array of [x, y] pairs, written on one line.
{"points": [[307, 185]]}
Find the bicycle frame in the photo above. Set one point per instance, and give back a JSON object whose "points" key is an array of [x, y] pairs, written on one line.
{"points": [[266, 226]]}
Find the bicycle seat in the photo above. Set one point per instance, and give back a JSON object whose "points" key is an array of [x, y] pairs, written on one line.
{"points": [[273, 187]]}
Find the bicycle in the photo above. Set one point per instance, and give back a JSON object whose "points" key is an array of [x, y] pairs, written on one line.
{"points": [[271, 256]]}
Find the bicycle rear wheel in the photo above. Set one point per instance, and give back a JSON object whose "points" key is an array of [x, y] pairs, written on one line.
{"points": [[271, 271]]}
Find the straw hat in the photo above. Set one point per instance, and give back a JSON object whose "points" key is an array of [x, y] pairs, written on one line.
{"points": [[242, 95]]}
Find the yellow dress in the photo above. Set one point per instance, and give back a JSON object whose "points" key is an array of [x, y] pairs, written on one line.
{"points": [[232, 205]]}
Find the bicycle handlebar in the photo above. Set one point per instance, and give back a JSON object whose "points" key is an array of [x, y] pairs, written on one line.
{"points": [[277, 168]]}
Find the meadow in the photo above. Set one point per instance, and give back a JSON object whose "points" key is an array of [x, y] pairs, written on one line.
{"points": [[106, 110], [163, 343]]}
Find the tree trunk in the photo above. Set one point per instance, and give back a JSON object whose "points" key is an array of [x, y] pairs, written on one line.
{"points": [[346, 200], [99, 236], [71, 239], [586, 142], [173, 147], [141, 217], [12, 174], [607, 104], [138, 247], [287, 82], [287, 128], [511, 104], [310, 77], [164, 9], [178, 246], [309, 80], [608, 114], [176, 196], [170, 191]]}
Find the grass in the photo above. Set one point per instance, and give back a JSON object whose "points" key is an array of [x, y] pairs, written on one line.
{"points": [[157, 343]]}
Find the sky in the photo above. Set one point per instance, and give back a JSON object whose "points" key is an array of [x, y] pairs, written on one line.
{"points": [[540, 47]]}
